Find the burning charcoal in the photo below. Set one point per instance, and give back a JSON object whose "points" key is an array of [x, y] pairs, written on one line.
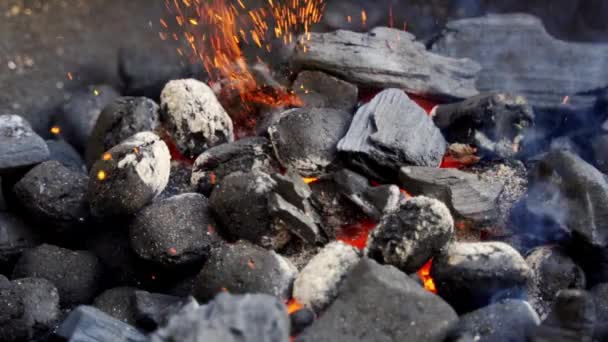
{"points": [[194, 116], [507, 320], [572, 318], [75, 273], [154, 309], [408, 238], [55, 195], [384, 58], [253, 153], [119, 303], [229, 318], [494, 122], [470, 275], [15, 237], [380, 303], [506, 67], [320, 90], [129, 176], [88, 324], [29, 307], [390, 131], [121, 119], [245, 268], [21, 146], [241, 206], [553, 271], [64, 153], [467, 195], [305, 139], [174, 231], [373, 201], [179, 180], [316, 286], [79, 114], [300, 320]]}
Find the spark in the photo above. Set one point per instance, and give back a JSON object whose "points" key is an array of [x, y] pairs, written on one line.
{"points": [[96, 92], [56, 130], [101, 175], [106, 156]]}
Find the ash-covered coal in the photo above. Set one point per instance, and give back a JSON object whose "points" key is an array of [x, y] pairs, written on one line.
{"points": [[21, 146]]}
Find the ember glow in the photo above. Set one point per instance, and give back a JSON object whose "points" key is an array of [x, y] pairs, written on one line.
{"points": [[293, 305], [356, 235], [425, 275]]}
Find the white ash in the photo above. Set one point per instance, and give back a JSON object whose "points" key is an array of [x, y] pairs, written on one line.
{"points": [[317, 284], [155, 165], [263, 183], [287, 269], [18, 127], [476, 255]]}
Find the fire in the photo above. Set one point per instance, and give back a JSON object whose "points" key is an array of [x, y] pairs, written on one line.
{"points": [[309, 180], [293, 305], [425, 275], [356, 235]]}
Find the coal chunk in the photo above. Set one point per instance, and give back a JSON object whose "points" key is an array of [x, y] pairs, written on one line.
{"points": [[494, 122], [229, 318], [244, 268], [384, 58], [380, 303], [21, 146], [67, 155], [300, 320], [76, 274], [553, 271], [174, 231], [29, 307], [467, 195], [194, 116], [121, 119], [389, 132], [55, 195], [118, 302], [129, 176], [572, 318], [506, 320], [415, 233], [80, 113], [305, 139], [247, 154], [316, 286], [154, 309], [320, 90], [469, 275], [88, 324], [241, 207], [179, 180], [15, 237], [508, 67]]}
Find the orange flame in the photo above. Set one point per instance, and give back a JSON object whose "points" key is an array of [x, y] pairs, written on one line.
{"points": [[425, 275], [293, 305]]}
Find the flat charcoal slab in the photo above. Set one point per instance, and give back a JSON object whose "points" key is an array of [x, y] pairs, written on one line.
{"points": [[465, 194], [391, 131], [88, 324], [384, 58], [20, 146], [544, 71]]}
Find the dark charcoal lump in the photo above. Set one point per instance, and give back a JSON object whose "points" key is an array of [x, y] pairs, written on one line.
{"points": [[194, 117], [247, 154], [470, 275], [54, 195], [229, 318], [600, 297], [122, 118], [89, 324], [379, 303], [15, 237], [179, 180], [154, 309], [20, 146], [494, 122], [467, 195], [80, 112], [76, 274], [305, 139], [553, 271], [300, 320], [64, 153], [29, 307], [389, 132], [320, 90], [244, 268], [129, 176], [572, 318], [241, 207], [118, 302], [415, 233], [174, 231], [506, 320]]}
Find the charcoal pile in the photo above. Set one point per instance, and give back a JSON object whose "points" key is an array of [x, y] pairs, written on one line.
{"points": [[394, 191]]}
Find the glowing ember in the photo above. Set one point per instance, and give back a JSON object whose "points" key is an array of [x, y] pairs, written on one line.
{"points": [[293, 305], [450, 162], [425, 275], [106, 156], [101, 175], [310, 180], [356, 234], [56, 130]]}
